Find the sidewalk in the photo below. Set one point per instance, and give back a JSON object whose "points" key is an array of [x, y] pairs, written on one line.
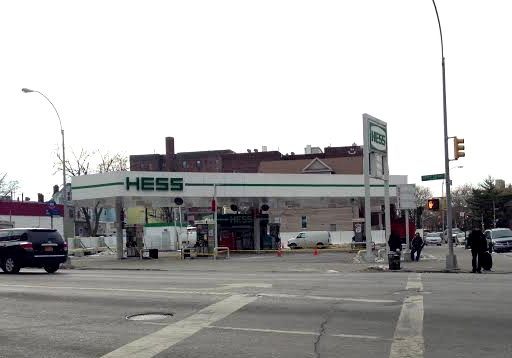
{"points": [[434, 260], [297, 261]]}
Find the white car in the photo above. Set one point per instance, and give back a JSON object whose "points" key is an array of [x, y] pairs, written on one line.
{"points": [[318, 239], [433, 238], [460, 238], [455, 236], [500, 239]]}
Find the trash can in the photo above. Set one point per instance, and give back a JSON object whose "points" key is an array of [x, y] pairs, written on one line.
{"points": [[153, 253], [394, 260]]}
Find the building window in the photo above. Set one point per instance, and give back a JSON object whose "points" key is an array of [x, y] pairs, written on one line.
{"points": [[332, 227], [198, 164], [185, 164], [304, 222]]}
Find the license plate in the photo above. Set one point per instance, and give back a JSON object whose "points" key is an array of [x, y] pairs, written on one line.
{"points": [[48, 249]]}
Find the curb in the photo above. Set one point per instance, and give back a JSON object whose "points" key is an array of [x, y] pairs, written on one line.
{"points": [[386, 269], [116, 269]]}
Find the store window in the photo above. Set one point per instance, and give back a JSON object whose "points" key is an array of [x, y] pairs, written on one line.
{"points": [[198, 164], [304, 222]]}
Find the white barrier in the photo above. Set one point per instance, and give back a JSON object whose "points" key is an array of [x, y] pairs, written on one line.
{"points": [[222, 249], [154, 238], [338, 237]]}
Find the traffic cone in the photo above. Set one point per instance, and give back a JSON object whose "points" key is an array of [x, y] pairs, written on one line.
{"points": [[315, 253]]}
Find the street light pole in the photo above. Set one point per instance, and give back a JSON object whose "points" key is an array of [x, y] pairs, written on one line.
{"points": [[451, 259], [64, 189]]}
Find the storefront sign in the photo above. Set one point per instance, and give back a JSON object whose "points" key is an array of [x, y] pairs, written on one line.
{"points": [[378, 137], [154, 184], [228, 220]]}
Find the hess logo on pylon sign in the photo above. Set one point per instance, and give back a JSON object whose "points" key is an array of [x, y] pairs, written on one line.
{"points": [[433, 204]]}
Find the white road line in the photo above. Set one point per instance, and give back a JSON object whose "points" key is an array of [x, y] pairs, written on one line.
{"points": [[107, 289], [324, 298], [408, 340], [414, 283], [247, 284], [153, 323], [165, 338], [303, 333]]}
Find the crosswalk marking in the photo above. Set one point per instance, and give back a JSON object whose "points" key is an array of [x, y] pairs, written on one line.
{"points": [[408, 341], [157, 342]]}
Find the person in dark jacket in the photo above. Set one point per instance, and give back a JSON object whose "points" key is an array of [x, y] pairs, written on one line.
{"points": [[416, 246], [478, 245], [394, 242]]}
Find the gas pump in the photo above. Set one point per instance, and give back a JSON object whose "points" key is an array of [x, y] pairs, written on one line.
{"points": [[359, 238]]}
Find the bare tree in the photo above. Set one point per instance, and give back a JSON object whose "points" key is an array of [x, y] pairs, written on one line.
{"points": [[425, 218], [112, 163], [7, 187], [90, 163], [461, 197], [422, 195]]}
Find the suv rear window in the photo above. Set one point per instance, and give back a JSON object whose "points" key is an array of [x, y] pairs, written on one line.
{"points": [[42, 236]]}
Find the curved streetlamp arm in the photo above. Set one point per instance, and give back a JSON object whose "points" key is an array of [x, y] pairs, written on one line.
{"points": [[64, 190], [440, 31], [60, 122]]}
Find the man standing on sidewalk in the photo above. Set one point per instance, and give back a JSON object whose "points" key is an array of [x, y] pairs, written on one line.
{"points": [[478, 245], [416, 246]]}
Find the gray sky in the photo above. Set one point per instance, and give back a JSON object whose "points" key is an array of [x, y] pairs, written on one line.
{"points": [[242, 74]]}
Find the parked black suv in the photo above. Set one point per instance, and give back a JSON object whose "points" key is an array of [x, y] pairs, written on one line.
{"points": [[31, 247]]}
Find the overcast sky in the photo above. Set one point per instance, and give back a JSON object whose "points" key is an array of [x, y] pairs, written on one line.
{"points": [[242, 74]]}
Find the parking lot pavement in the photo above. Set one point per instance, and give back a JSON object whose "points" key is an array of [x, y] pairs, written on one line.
{"points": [[296, 261]]}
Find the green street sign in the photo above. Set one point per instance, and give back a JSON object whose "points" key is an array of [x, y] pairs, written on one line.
{"points": [[432, 177]]}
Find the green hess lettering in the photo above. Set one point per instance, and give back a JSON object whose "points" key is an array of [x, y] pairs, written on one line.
{"points": [[378, 138], [154, 184]]}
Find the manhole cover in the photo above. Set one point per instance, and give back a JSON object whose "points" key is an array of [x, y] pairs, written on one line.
{"points": [[152, 316]]}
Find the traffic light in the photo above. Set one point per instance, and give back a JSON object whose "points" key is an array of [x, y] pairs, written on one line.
{"points": [[433, 204], [458, 148]]}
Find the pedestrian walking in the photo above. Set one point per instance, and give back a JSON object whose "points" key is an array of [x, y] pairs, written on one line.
{"points": [[478, 245], [416, 247]]}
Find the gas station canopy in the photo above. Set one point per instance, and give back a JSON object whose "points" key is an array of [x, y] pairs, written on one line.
{"points": [[158, 189]]}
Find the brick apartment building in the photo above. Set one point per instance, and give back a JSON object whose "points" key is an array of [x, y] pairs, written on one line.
{"points": [[334, 216], [332, 160]]}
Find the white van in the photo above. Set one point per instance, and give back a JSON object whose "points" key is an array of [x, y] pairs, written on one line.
{"points": [[318, 239]]}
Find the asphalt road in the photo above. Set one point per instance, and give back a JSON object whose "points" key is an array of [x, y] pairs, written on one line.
{"points": [[223, 314]]}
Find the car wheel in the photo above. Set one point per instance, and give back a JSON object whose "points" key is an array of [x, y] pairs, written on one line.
{"points": [[51, 268], [320, 245], [292, 246], [10, 265]]}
